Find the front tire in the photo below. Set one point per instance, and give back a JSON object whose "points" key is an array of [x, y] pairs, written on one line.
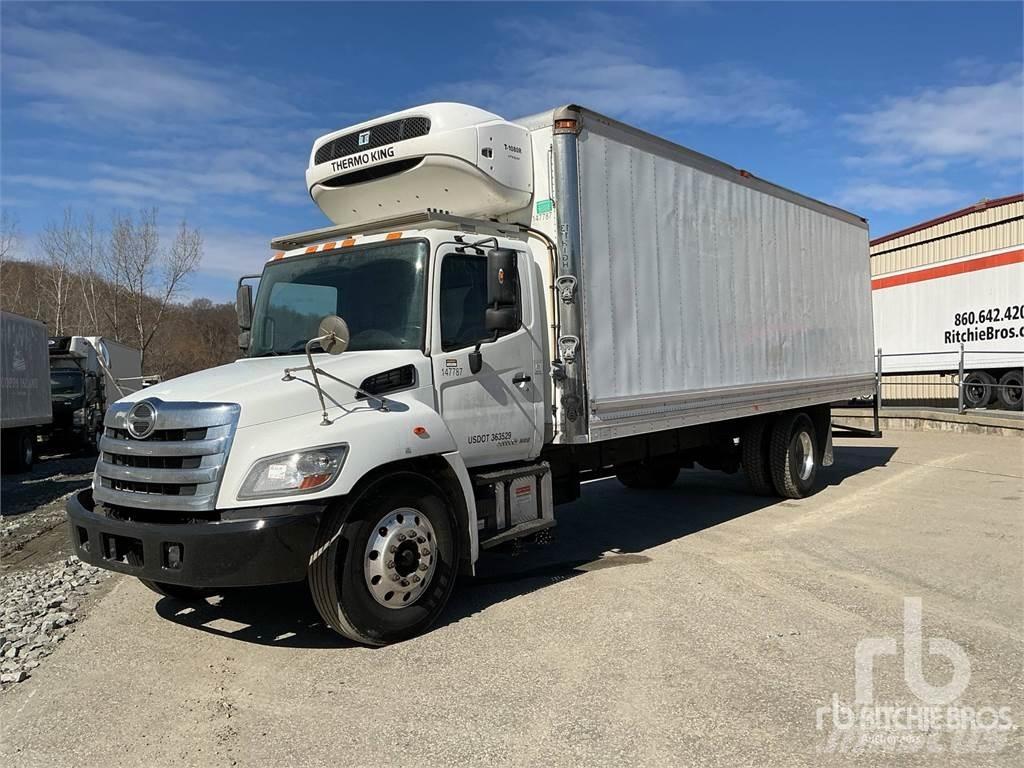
{"points": [[384, 571], [793, 455]]}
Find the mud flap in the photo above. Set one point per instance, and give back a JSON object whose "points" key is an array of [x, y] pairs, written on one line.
{"points": [[826, 458]]}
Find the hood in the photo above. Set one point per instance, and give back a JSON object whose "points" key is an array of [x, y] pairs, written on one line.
{"points": [[257, 385]]}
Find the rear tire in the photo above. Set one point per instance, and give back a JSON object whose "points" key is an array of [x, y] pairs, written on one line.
{"points": [[359, 555], [793, 455], [648, 475], [754, 445], [978, 389], [1011, 388], [19, 449], [177, 591]]}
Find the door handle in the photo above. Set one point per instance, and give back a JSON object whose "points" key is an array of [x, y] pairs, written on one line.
{"points": [[521, 378]]}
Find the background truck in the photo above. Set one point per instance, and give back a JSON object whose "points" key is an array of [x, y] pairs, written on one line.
{"points": [[24, 389], [520, 306], [86, 374], [951, 281]]}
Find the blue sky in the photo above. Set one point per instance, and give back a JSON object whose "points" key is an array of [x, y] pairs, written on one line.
{"points": [[898, 112]]}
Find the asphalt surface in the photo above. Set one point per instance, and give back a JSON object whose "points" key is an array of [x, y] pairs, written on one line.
{"points": [[695, 626]]}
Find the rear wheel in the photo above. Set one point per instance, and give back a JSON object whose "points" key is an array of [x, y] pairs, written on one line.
{"points": [[754, 444], [19, 449], [384, 572], [793, 455], [1010, 390], [648, 474], [978, 389]]}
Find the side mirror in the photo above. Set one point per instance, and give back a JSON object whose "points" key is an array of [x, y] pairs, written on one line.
{"points": [[333, 334], [243, 307], [502, 291], [244, 338]]}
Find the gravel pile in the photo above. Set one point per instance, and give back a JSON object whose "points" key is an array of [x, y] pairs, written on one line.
{"points": [[38, 609]]}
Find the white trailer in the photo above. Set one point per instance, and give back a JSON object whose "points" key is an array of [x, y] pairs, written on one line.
{"points": [[924, 315], [24, 388], [521, 305]]}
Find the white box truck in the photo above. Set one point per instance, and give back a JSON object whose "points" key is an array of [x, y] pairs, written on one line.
{"points": [[501, 310], [86, 374], [923, 315], [24, 389]]}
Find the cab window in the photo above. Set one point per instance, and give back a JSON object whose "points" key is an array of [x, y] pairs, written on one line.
{"points": [[463, 300]]}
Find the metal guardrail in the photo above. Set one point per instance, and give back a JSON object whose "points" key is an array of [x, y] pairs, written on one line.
{"points": [[958, 381], [876, 398]]}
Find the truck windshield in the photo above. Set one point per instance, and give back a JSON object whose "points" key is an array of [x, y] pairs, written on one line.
{"points": [[379, 290], [66, 383]]}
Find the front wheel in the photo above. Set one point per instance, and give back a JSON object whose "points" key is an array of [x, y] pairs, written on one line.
{"points": [[384, 572]]}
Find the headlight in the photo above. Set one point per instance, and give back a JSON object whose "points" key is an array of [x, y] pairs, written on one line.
{"points": [[294, 473], [78, 417]]}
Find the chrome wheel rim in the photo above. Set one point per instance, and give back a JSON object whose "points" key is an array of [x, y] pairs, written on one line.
{"points": [[804, 455], [400, 558]]}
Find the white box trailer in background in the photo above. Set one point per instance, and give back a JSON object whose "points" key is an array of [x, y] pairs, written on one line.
{"points": [[24, 388], [525, 305], [926, 312]]}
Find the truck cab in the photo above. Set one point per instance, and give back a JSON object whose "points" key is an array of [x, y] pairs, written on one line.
{"points": [[234, 475]]}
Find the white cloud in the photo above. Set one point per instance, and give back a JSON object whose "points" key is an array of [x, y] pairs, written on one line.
{"points": [[894, 198], [171, 131], [981, 124], [594, 64]]}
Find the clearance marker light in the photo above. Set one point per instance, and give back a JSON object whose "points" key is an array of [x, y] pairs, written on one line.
{"points": [[311, 249], [420, 432], [347, 243], [393, 236]]}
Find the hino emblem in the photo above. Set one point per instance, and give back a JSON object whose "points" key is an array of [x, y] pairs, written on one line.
{"points": [[364, 138], [142, 420]]}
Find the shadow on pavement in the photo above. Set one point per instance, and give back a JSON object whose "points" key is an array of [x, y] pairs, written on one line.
{"points": [[609, 526]]}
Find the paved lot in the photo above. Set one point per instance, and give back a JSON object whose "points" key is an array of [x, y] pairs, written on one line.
{"points": [[697, 626]]}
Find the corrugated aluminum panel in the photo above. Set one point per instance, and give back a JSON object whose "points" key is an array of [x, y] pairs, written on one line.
{"points": [[698, 279], [959, 237]]}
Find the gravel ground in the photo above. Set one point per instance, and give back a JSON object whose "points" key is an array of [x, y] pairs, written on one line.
{"points": [[38, 608], [42, 590]]}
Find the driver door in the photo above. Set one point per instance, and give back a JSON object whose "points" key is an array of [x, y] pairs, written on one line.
{"points": [[494, 415]]}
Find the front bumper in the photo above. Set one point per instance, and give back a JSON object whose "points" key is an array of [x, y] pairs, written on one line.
{"points": [[271, 545]]}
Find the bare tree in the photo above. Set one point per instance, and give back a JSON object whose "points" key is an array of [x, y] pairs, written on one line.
{"points": [[62, 248], [8, 235], [10, 280], [90, 274], [151, 278]]}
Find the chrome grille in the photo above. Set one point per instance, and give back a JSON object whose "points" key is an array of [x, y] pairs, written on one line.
{"points": [[177, 467]]}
